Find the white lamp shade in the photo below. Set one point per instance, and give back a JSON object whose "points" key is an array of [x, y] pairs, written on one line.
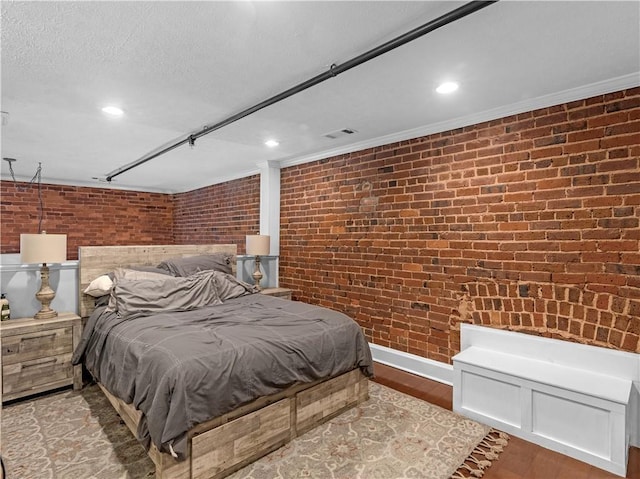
{"points": [[43, 248], [258, 245]]}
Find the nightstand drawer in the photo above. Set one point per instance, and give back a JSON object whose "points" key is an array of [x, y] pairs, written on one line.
{"points": [[45, 343], [36, 375]]}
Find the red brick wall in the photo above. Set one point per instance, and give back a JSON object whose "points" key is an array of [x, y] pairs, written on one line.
{"points": [[88, 216], [222, 213], [529, 223]]}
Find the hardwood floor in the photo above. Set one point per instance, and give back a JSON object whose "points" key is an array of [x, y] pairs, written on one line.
{"points": [[520, 459]]}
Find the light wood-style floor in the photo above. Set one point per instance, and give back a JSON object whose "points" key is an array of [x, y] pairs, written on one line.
{"points": [[521, 459]]}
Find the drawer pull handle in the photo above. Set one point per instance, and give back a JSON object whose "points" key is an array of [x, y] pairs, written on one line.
{"points": [[41, 363], [38, 337]]}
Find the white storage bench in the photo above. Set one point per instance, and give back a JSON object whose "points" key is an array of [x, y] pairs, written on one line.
{"points": [[578, 400]]}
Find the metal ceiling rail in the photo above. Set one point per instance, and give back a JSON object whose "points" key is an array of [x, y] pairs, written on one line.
{"points": [[333, 71]]}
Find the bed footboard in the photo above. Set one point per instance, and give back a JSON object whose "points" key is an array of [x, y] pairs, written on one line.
{"points": [[225, 444]]}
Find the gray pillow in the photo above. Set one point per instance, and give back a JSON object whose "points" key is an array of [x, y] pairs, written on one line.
{"points": [[164, 294], [230, 287], [120, 274], [149, 269], [193, 264]]}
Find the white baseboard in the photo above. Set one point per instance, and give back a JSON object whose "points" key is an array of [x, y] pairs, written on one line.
{"points": [[411, 363]]}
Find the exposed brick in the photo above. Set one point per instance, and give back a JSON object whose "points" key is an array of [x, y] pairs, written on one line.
{"points": [[555, 204], [222, 213], [88, 216]]}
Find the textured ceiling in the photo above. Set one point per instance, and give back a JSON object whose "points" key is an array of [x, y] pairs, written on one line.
{"points": [[175, 67]]}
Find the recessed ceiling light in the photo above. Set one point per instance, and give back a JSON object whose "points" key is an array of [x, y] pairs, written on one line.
{"points": [[272, 143], [113, 111], [447, 87]]}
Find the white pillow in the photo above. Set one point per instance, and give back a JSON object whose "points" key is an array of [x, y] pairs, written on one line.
{"points": [[99, 287]]}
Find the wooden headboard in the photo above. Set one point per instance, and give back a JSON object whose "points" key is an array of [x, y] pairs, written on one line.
{"points": [[99, 260]]}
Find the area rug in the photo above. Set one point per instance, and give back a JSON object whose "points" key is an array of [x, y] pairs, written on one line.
{"points": [[78, 435]]}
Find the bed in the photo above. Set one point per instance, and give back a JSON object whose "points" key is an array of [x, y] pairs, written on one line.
{"points": [[228, 428]]}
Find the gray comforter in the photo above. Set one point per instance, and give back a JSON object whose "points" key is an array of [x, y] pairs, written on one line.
{"points": [[183, 368]]}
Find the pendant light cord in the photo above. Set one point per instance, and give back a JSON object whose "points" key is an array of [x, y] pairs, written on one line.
{"points": [[37, 179]]}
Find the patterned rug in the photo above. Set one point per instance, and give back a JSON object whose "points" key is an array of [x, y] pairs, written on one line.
{"points": [[78, 435]]}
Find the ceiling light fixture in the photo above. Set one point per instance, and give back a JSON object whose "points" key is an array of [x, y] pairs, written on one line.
{"points": [[113, 111], [447, 87], [272, 143]]}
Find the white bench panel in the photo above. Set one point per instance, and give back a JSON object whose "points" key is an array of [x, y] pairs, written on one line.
{"points": [[492, 398], [572, 423]]}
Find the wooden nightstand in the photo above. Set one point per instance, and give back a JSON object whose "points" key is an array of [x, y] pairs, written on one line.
{"points": [[36, 355], [279, 292]]}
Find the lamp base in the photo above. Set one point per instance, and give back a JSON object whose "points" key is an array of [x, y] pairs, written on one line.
{"points": [[42, 314], [257, 274], [45, 296]]}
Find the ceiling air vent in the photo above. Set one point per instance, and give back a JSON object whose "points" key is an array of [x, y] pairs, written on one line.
{"points": [[340, 133]]}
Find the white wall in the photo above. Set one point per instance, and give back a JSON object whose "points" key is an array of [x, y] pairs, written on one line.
{"points": [[21, 282]]}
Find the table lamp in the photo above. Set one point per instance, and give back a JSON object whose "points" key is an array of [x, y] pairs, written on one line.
{"points": [[258, 245], [44, 249]]}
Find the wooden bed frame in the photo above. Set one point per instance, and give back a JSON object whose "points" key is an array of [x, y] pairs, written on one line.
{"points": [[223, 445]]}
